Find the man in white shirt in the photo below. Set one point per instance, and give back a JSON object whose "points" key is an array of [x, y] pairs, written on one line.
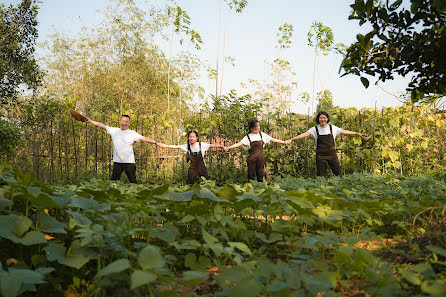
{"points": [[123, 139]]}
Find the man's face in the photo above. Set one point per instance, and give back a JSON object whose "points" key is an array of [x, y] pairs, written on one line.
{"points": [[124, 123]]}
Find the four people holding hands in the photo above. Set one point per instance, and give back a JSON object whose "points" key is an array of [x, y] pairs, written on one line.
{"points": [[324, 135]]}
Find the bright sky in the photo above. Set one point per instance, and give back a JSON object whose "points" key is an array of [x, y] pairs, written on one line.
{"points": [[250, 40]]}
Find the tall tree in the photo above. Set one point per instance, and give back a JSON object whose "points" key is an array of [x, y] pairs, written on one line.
{"points": [[321, 38], [18, 34], [403, 40]]}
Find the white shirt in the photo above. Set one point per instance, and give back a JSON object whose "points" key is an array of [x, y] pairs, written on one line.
{"points": [[193, 148], [123, 144], [324, 131], [256, 137]]}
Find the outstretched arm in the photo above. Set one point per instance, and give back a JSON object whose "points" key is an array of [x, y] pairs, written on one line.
{"points": [[227, 148], [278, 141], [216, 145], [148, 140], [347, 132], [300, 136], [97, 124]]}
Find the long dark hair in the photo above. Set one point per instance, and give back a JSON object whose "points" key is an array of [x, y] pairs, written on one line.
{"points": [[188, 143], [252, 124]]}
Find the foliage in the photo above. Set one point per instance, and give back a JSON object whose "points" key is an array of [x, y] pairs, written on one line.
{"points": [[18, 36], [404, 41], [9, 136], [294, 237]]}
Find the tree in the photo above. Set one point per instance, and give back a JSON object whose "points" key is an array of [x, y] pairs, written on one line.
{"points": [[321, 38], [325, 101], [18, 36], [403, 41]]}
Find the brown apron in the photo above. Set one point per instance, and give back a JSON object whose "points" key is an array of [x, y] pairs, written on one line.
{"points": [[256, 161], [197, 167], [326, 153]]}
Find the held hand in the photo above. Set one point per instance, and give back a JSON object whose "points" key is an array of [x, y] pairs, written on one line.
{"points": [[226, 148], [87, 120], [287, 142], [160, 144], [362, 135]]}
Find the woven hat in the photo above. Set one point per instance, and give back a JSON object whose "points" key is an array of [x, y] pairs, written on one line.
{"points": [[78, 116]]}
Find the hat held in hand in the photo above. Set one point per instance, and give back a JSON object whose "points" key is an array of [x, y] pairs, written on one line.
{"points": [[78, 116]]}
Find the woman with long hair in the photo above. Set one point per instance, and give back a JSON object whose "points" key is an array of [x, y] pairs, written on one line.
{"points": [[255, 140], [195, 151]]}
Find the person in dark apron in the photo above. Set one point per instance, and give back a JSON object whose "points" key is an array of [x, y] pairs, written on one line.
{"points": [[255, 140], [324, 136], [194, 154]]}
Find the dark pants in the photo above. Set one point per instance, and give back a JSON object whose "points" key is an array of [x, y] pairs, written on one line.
{"points": [[321, 165], [255, 167], [129, 168]]}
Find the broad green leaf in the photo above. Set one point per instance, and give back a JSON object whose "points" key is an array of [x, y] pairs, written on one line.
{"points": [[233, 274], [150, 258], [412, 277], [77, 257], [82, 203], [115, 267], [208, 238], [192, 277], [49, 224], [241, 246], [437, 250], [187, 219], [140, 278], [434, 287], [14, 225], [246, 288], [10, 286]]}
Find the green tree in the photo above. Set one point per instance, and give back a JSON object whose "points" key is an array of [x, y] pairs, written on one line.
{"points": [[18, 36], [404, 41], [325, 101], [321, 38]]}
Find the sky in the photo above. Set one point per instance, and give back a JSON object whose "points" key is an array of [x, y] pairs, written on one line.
{"points": [[250, 40]]}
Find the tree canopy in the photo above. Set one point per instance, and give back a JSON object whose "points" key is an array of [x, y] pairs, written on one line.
{"points": [[18, 36], [403, 40]]}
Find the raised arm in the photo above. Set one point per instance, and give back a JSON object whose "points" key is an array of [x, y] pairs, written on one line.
{"points": [[300, 136], [97, 124], [227, 148], [347, 132]]}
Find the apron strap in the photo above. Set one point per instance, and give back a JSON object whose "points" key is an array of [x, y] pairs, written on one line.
{"points": [[249, 139], [317, 130]]}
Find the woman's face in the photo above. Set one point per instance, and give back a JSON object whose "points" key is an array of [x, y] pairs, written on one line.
{"points": [[256, 128], [323, 119], [192, 138]]}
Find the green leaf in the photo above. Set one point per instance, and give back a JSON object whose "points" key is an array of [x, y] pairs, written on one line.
{"points": [[193, 277], [187, 219], [246, 288], [49, 224], [437, 250], [10, 286], [82, 203], [434, 287], [76, 258], [150, 258], [115, 267], [241, 246], [412, 277], [233, 274], [14, 225], [365, 82], [140, 278], [208, 238]]}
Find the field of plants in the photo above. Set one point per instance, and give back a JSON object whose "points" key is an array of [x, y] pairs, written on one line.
{"points": [[355, 235]]}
